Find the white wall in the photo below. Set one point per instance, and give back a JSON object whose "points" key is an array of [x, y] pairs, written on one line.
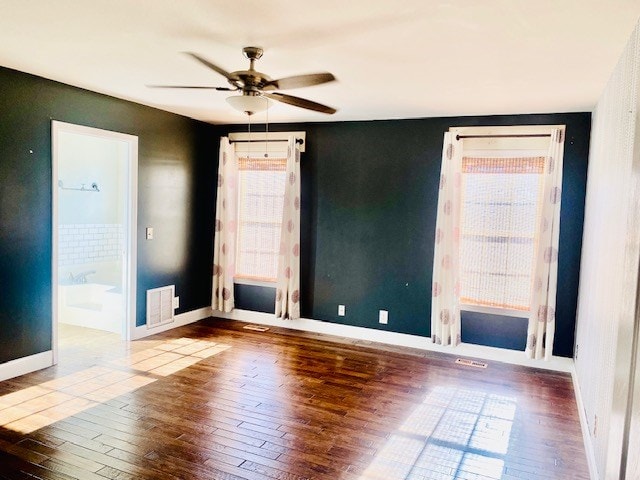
{"points": [[609, 269], [84, 159], [91, 224], [633, 460]]}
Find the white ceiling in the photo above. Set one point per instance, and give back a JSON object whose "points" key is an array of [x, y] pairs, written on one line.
{"points": [[392, 58]]}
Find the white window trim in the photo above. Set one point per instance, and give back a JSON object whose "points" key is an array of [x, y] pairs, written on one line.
{"points": [[505, 312], [518, 144], [274, 144], [254, 283]]}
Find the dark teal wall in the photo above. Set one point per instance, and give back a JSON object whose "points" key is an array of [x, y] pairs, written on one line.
{"points": [[370, 192], [369, 198], [177, 162]]}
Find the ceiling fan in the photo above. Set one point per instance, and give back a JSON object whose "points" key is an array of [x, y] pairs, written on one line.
{"points": [[255, 85]]}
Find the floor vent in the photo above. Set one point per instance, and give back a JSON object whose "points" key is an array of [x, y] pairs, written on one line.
{"points": [[256, 328], [470, 363], [160, 306]]}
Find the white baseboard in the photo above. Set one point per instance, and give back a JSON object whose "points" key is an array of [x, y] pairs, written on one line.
{"points": [[584, 426], [22, 366], [179, 321], [513, 357]]}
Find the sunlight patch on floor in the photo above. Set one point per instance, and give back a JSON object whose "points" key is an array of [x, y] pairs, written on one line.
{"points": [[41, 405], [454, 433], [171, 356]]}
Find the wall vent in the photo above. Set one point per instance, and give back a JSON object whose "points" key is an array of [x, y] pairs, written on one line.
{"points": [[471, 363], [160, 306], [256, 328]]}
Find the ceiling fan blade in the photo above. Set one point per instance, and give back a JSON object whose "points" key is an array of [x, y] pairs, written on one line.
{"points": [[299, 81], [300, 102], [220, 89], [212, 66]]}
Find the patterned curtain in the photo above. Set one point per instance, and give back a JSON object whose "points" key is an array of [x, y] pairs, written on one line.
{"points": [[224, 245], [445, 305], [542, 318], [288, 288]]}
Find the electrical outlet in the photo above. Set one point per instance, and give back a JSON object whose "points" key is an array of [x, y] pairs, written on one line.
{"points": [[176, 302], [341, 311], [383, 317], [149, 232]]}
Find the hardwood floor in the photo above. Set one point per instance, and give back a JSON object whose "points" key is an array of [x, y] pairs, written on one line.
{"points": [[215, 401]]}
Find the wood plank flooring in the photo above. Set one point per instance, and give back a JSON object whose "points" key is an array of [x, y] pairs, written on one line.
{"points": [[214, 401]]}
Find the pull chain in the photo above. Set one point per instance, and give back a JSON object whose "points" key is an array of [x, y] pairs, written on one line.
{"points": [[249, 143], [266, 145]]}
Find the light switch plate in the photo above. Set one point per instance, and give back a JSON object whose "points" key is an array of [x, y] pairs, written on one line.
{"points": [[383, 317], [149, 233], [341, 311]]}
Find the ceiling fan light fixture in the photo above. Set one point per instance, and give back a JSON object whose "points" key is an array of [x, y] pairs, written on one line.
{"points": [[249, 104]]}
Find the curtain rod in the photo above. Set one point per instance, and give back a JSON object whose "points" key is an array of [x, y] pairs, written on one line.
{"points": [[514, 135], [299, 141]]}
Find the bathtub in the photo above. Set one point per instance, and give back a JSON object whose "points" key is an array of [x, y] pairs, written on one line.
{"points": [[91, 305]]}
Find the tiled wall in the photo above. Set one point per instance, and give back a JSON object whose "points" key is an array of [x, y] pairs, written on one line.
{"points": [[89, 243]]}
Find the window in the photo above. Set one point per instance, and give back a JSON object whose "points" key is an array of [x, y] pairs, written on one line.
{"points": [[257, 225], [260, 207], [499, 219], [498, 229], [262, 175]]}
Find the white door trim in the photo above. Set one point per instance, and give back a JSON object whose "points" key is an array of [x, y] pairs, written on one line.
{"points": [[131, 223]]}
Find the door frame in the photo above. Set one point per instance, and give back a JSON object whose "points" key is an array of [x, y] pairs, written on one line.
{"points": [[131, 223]]}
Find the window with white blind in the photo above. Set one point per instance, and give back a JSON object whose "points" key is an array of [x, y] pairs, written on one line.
{"points": [[260, 208], [499, 221]]}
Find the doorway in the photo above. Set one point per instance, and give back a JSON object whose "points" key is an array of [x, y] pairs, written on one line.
{"points": [[94, 179]]}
